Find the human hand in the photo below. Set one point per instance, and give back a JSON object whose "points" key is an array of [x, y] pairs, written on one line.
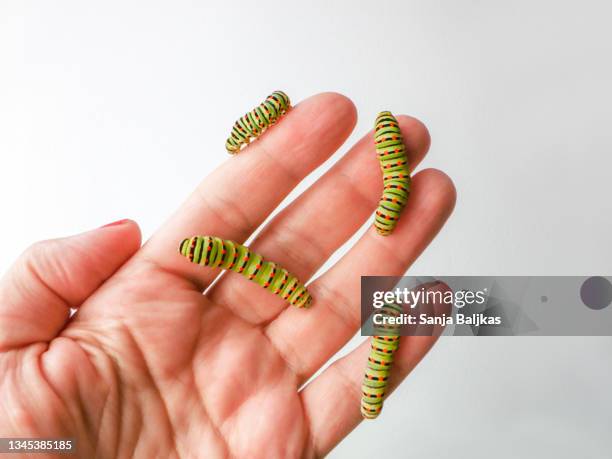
{"points": [[149, 367]]}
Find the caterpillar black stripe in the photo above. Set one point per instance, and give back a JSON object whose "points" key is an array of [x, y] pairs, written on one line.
{"points": [[221, 253]]}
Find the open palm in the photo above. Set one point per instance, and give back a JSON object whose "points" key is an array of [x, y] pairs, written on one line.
{"points": [[150, 367]]}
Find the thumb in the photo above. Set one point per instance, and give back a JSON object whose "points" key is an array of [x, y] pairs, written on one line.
{"points": [[51, 277]]}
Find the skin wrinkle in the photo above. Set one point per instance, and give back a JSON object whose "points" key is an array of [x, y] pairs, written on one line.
{"points": [[371, 203], [147, 372], [59, 300], [14, 320], [275, 163], [22, 407], [241, 300], [242, 224], [109, 358], [32, 257], [38, 253], [216, 428], [332, 296], [284, 356], [280, 354], [336, 311], [99, 349], [97, 438], [204, 405], [230, 419], [349, 388], [183, 423], [275, 382], [299, 133], [31, 356], [92, 356], [309, 446], [41, 368], [389, 252], [87, 422], [231, 415], [94, 265], [117, 380], [301, 250], [194, 283], [132, 445]]}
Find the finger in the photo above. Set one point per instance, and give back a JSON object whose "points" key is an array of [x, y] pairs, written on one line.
{"points": [[316, 224], [307, 341], [51, 277], [332, 400], [237, 197]]}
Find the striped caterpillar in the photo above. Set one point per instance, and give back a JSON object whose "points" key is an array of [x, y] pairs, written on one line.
{"points": [[254, 123], [220, 253], [391, 153], [383, 345]]}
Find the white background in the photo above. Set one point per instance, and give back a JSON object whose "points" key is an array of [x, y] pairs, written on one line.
{"points": [[105, 108]]}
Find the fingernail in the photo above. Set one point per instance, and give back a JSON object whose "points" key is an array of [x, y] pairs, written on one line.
{"points": [[117, 223]]}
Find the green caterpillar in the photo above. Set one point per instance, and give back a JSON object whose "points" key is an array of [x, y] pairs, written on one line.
{"points": [[383, 345], [254, 123], [391, 153], [220, 253]]}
